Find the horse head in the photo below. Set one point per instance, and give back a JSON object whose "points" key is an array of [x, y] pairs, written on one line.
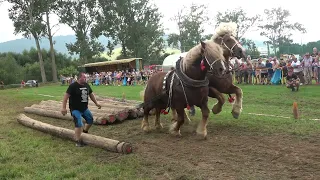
{"points": [[206, 56], [225, 36], [213, 58]]}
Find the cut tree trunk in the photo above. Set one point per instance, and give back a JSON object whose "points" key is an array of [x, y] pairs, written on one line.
{"points": [[118, 100], [121, 113], [93, 140], [97, 118], [111, 115]]}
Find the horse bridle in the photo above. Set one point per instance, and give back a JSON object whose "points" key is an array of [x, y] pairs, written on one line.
{"points": [[230, 50], [211, 65]]}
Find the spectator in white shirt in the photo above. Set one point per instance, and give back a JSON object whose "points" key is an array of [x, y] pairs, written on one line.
{"points": [[297, 69], [307, 68]]}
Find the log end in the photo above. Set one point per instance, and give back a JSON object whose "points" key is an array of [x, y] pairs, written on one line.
{"points": [[103, 122], [122, 115], [133, 114], [20, 117], [124, 147], [112, 118]]}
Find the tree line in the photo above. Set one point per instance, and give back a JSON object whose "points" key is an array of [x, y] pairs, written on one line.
{"points": [[136, 26], [25, 66]]}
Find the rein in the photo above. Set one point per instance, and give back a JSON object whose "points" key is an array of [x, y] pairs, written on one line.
{"points": [[230, 49]]}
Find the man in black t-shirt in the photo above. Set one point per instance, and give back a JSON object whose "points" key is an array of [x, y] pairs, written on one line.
{"points": [[78, 93], [293, 82]]}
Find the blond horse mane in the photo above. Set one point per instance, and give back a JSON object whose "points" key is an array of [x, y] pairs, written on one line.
{"points": [[225, 28], [212, 51]]}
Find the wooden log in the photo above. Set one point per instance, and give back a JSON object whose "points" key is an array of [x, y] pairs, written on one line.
{"points": [[109, 115], [101, 120], [110, 103], [104, 98], [120, 113], [93, 140]]}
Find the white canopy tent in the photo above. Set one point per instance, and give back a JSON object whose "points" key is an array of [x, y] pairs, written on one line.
{"points": [[170, 61]]}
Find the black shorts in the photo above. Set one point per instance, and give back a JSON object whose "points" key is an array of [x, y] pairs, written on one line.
{"points": [[264, 75]]}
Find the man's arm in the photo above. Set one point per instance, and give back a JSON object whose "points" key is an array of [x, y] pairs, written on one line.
{"points": [[64, 103], [65, 99], [93, 98]]}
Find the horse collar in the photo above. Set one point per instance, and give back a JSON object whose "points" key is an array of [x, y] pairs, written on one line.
{"points": [[187, 80]]}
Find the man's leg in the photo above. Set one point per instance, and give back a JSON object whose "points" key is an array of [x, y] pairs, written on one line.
{"points": [[192, 111], [78, 126], [87, 115], [310, 74]]}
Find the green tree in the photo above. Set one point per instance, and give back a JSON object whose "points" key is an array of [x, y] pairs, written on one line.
{"points": [[135, 24], [190, 22], [277, 27], [49, 7], [251, 48], [10, 71], [68, 71], [81, 16], [240, 17], [27, 19]]}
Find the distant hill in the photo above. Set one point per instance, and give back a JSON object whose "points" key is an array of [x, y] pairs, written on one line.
{"points": [[19, 45]]}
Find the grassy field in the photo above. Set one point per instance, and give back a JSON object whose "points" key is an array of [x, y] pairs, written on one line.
{"points": [[243, 148]]}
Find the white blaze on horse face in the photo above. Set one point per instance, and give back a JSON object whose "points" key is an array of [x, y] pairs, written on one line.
{"points": [[238, 44]]}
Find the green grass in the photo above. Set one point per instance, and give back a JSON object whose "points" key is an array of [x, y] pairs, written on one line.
{"points": [[29, 154]]}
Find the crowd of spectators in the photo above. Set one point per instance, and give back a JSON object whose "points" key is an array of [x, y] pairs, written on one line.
{"points": [[116, 78], [263, 71]]}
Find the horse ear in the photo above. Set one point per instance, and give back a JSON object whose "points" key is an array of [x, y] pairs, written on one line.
{"points": [[203, 44]]}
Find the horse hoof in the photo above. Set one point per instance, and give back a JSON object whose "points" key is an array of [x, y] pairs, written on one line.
{"points": [[216, 110], [235, 115], [175, 133], [145, 128], [159, 126], [203, 134]]}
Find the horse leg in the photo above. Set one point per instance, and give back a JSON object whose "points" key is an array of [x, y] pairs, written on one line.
{"points": [[145, 123], [214, 93], [237, 106], [175, 116], [157, 123], [175, 127], [202, 127]]}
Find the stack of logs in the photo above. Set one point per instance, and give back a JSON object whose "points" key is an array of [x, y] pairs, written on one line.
{"points": [[112, 110]]}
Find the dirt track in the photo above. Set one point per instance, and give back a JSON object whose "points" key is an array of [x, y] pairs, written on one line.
{"points": [[226, 154]]}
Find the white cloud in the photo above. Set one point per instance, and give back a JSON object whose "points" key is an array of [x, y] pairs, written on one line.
{"points": [[301, 11]]}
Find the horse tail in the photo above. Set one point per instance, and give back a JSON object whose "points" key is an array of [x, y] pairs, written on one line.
{"points": [[142, 97], [142, 93]]}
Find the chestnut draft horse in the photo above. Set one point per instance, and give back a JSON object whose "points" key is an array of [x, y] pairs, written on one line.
{"points": [[184, 86], [224, 35]]}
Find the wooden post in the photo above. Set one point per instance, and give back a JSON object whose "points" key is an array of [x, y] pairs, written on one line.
{"points": [[96, 141], [295, 110]]}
